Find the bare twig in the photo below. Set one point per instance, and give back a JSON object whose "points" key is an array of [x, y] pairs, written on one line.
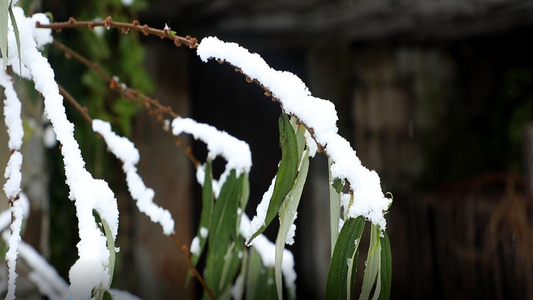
{"points": [[194, 271], [81, 109], [135, 25]]}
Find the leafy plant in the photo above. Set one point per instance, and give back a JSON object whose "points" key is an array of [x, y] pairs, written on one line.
{"points": [[240, 261]]}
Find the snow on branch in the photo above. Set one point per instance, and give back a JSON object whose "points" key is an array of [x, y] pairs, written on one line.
{"points": [[125, 150], [13, 175], [318, 115], [91, 270], [219, 143], [12, 111]]}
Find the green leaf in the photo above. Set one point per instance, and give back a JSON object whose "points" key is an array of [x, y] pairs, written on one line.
{"points": [[108, 296], [386, 267], [341, 271], [337, 183], [287, 212], [299, 130], [334, 208], [4, 7], [205, 216], [287, 170], [373, 261], [223, 232], [243, 273], [260, 280], [112, 254], [16, 31], [230, 267]]}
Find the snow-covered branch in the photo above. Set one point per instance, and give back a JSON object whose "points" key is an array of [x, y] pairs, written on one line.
{"points": [[91, 271], [318, 115], [13, 175], [125, 151]]}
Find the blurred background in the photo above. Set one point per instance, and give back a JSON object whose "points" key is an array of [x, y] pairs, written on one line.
{"points": [[436, 96]]}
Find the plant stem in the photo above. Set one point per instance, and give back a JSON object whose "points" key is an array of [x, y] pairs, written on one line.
{"points": [[194, 272], [82, 110], [135, 25]]}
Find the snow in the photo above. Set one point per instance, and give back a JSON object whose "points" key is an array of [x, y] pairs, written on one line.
{"points": [[12, 111], [42, 36], [127, 2], [49, 137], [125, 151], [317, 114], [200, 174], [12, 253], [5, 216], [261, 211], [204, 232], [195, 246], [289, 240], [237, 290], [13, 176], [98, 30], [219, 143], [91, 270]]}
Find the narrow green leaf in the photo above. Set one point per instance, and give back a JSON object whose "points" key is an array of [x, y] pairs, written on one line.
{"points": [[386, 267], [240, 282], [260, 280], [4, 7], [334, 208], [287, 212], [245, 195], [288, 167], [223, 232], [372, 263], [205, 216], [340, 275], [16, 31], [230, 267], [110, 246], [299, 130]]}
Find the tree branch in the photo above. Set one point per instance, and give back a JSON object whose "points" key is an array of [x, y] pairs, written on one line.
{"points": [[135, 25], [81, 109]]}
